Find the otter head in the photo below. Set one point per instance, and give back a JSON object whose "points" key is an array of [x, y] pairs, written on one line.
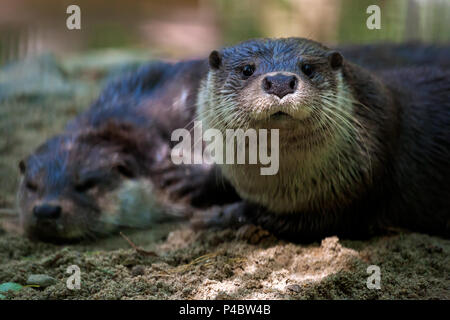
{"points": [[82, 184], [299, 87]]}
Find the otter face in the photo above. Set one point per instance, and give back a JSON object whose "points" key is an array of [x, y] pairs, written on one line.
{"points": [[81, 185], [299, 87], [272, 83]]}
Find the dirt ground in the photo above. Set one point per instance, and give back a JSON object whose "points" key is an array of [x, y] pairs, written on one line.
{"points": [[187, 264]]}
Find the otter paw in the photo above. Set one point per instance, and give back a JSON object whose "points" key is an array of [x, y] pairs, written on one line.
{"points": [[180, 181], [254, 234], [226, 216]]}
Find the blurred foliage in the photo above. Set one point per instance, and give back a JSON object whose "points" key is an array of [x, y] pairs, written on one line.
{"points": [[239, 20], [180, 28]]}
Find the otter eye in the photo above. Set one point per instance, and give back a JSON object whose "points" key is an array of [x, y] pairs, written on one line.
{"points": [[307, 69], [248, 70], [22, 167], [86, 185], [125, 171], [31, 186]]}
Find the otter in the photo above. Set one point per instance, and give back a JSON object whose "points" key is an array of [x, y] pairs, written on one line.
{"points": [[360, 151], [111, 166]]}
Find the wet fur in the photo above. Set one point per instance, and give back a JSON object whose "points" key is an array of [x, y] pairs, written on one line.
{"points": [[118, 142], [360, 188]]}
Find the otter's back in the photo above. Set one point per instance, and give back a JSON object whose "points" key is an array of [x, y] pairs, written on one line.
{"points": [[422, 160]]}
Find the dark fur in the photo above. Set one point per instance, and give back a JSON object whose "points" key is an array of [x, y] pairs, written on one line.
{"points": [[410, 185], [409, 129]]}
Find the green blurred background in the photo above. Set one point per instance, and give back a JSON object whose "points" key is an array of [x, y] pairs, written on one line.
{"points": [[176, 28]]}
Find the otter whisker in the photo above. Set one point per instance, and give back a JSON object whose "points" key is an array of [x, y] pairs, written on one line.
{"points": [[347, 120]]}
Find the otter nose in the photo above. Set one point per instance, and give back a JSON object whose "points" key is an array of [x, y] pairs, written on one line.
{"points": [[280, 84], [46, 211]]}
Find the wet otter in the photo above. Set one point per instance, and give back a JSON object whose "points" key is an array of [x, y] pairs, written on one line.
{"points": [[111, 167], [92, 184], [95, 176], [359, 150]]}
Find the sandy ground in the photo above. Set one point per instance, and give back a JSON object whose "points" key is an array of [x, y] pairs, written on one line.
{"points": [[186, 265]]}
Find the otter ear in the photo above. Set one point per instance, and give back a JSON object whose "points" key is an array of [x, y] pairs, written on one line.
{"points": [[215, 60], [122, 136], [22, 166], [335, 59]]}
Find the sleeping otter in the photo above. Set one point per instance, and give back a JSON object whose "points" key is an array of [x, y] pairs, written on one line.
{"points": [[359, 150], [87, 183], [111, 167]]}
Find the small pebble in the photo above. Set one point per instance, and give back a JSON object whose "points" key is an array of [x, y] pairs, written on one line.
{"points": [[138, 270], [294, 288], [41, 280]]}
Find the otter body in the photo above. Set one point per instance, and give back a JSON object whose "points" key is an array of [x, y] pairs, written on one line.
{"points": [[380, 150], [100, 173], [403, 183], [359, 151]]}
